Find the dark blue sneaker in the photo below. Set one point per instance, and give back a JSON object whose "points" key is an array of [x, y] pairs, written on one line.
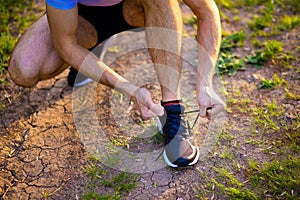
{"points": [[179, 150]]}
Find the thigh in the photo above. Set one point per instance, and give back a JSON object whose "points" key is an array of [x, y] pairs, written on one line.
{"points": [[34, 55], [133, 12]]}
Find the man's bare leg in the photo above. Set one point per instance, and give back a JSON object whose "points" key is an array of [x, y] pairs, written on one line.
{"points": [[34, 57], [163, 23], [166, 16]]}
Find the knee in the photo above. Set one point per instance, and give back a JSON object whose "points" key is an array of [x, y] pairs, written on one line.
{"points": [[22, 73]]}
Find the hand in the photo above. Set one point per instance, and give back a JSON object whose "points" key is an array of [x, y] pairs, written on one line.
{"points": [[209, 102], [143, 100]]}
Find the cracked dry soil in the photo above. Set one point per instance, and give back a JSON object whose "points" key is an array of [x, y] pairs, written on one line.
{"points": [[42, 154]]}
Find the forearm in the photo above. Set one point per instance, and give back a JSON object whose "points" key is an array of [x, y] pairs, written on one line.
{"points": [[209, 40], [64, 27], [89, 65]]}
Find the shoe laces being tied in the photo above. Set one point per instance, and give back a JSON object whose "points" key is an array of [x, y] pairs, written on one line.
{"points": [[178, 127], [178, 149]]}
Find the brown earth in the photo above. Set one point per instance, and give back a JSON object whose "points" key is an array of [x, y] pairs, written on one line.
{"points": [[41, 151]]}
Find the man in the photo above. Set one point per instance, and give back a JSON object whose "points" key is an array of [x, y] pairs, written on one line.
{"points": [[63, 36]]}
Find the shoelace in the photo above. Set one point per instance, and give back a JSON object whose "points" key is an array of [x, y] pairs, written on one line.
{"points": [[194, 123], [189, 128]]}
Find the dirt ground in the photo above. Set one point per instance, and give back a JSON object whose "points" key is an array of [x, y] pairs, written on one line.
{"points": [[41, 151]]}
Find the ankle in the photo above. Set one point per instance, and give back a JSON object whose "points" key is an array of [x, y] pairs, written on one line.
{"points": [[172, 102]]}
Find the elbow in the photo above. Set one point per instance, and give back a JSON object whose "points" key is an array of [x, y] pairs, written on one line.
{"points": [[66, 51], [62, 49], [70, 52]]}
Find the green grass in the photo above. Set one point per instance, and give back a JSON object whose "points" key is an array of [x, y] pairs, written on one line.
{"points": [[93, 171], [122, 183], [263, 19], [271, 84], [288, 23], [233, 40], [278, 179], [228, 63], [236, 190], [291, 95], [273, 48], [280, 176], [113, 187], [257, 59], [267, 116], [229, 4]]}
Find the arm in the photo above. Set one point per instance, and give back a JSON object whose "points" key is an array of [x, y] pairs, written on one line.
{"points": [[63, 26], [209, 40]]}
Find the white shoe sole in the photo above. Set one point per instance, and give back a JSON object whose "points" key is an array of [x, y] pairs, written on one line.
{"points": [[82, 83], [170, 164]]}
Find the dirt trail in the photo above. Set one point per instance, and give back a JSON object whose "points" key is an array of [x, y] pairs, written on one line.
{"points": [[42, 154]]}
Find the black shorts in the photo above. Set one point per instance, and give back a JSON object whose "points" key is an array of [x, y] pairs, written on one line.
{"points": [[107, 20]]}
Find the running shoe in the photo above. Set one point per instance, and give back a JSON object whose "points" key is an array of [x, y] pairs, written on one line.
{"points": [[76, 79], [179, 150]]}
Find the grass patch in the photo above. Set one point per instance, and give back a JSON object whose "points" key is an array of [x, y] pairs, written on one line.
{"points": [[273, 48], [289, 5], [115, 187], [291, 95], [260, 22], [288, 23], [267, 116], [233, 40], [228, 63], [271, 84], [257, 59], [122, 183], [93, 171], [277, 178]]}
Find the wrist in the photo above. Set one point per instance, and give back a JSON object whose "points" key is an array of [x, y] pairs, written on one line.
{"points": [[126, 88]]}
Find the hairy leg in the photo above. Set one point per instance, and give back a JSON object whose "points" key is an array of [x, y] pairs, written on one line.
{"points": [[164, 41], [34, 57]]}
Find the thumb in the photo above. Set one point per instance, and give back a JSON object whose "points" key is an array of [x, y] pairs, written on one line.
{"points": [[217, 109], [157, 109], [203, 111]]}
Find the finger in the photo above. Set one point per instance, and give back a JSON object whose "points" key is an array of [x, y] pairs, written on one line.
{"points": [[157, 109], [145, 118], [148, 114], [203, 111], [154, 111], [217, 109], [209, 112]]}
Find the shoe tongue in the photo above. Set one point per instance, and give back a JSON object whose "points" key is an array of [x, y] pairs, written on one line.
{"points": [[174, 109]]}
